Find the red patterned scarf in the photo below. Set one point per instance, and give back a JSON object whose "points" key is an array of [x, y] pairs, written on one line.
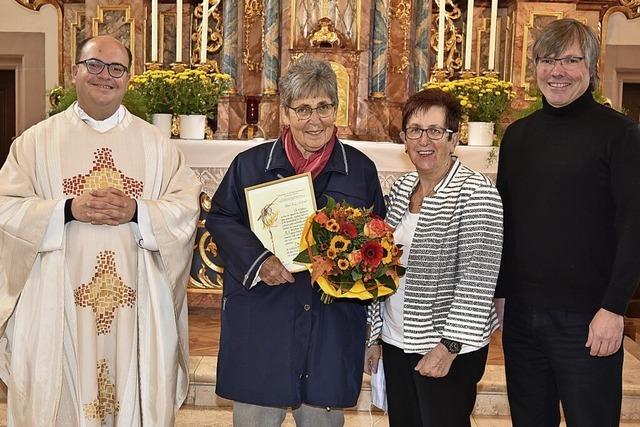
{"points": [[315, 163]]}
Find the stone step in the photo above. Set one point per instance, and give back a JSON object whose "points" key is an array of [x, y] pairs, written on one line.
{"points": [[492, 391]]}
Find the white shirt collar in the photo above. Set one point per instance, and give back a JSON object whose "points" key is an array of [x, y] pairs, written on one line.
{"points": [[101, 125]]}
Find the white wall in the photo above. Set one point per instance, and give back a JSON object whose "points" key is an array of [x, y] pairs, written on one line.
{"points": [[622, 31], [16, 18]]}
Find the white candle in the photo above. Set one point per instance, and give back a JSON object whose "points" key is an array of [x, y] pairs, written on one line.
{"points": [[154, 30], [469, 36], [205, 31], [492, 35], [441, 18], [178, 30]]}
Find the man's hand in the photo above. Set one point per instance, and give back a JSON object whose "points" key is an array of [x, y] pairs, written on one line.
{"points": [[274, 273], [499, 304], [107, 206], [436, 362], [371, 357], [80, 209], [110, 206], [605, 333]]}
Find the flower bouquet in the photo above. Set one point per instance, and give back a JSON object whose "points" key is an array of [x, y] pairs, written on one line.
{"points": [[350, 253]]}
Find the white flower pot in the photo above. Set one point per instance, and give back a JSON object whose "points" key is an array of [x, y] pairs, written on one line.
{"points": [[192, 126], [163, 122], [480, 134]]}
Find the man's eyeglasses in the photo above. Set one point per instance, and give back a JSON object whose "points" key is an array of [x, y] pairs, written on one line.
{"points": [[434, 133], [304, 112], [95, 66], [567, 62]]}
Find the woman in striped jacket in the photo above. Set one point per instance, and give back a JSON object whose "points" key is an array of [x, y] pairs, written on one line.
{"points": [[434, 332]]}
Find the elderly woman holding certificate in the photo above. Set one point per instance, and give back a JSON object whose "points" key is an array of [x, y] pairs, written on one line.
{"points": [[280, 346], [436, 329]]}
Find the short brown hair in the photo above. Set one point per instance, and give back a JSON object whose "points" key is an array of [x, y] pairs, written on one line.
{"points": [[427, 98]]}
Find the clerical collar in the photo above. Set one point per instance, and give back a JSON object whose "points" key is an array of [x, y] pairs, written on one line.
{"points": [[101, 125], [579, 104]]}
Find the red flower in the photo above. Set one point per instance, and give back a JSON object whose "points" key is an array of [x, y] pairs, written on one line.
{"points": [[371, 253], [321, 218], [375, 228], [348, 230]]}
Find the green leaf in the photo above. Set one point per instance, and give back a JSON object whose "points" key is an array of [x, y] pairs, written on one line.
{"points": [[387, 281], [356, 275], [330, 206], [303, 257]]}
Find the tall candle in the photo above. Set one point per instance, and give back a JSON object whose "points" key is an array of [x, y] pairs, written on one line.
{"points": [[492, 35], [205, 31], [468, 36], [441, 19], [178, 30], [154, 30]]}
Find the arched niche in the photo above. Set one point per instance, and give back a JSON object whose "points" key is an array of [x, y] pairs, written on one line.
{"points": [[620, 50]]}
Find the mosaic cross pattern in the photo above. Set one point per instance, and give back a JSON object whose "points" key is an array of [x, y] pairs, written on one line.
{"points": [[106, 403], [105, 292], [103, 174]]}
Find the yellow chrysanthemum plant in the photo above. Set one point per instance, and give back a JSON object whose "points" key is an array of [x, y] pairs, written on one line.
{"points": [[350, 253], [154, 87], [483, 98], [197, 92]]}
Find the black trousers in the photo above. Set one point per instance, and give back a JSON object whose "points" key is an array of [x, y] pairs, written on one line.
{"points": [[547, 363], [418, 401]]}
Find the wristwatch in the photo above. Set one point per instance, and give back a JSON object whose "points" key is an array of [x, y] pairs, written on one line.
{"points": [[452, 347]]}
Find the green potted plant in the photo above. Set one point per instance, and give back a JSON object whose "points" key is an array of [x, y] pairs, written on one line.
{"points": [[61, 98], [154, 87], [483, 99], [195, 96]]}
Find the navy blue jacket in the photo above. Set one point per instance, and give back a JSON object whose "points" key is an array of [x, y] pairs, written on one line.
{"points": [[280, 345]]}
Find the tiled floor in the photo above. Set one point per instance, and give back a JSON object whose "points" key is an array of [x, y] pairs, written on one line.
{"points": [[216, 417]]}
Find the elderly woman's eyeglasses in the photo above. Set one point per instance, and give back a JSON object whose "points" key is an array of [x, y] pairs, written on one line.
{"points": [[567, 62], [434, 133], [95, 66], [304, 112]]}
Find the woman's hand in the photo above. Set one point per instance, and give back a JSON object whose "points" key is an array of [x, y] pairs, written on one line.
{"points": [[499, 304], [371, 357], [274, 273], [436, 362]]}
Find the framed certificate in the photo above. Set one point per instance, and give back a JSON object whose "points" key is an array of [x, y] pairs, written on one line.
{"points": [[278, 211]]}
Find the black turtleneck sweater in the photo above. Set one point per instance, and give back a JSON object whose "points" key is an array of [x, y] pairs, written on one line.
{"points": [[569, 179]]}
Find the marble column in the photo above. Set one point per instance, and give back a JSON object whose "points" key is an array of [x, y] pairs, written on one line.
{"points": [[379, 49], [421, 66], [271, 48], [230, 43]]}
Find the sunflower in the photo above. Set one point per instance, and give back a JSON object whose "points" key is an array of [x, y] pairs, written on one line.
{"points": [[339, 244], [387, 251], [343, 264], [332, 225]]}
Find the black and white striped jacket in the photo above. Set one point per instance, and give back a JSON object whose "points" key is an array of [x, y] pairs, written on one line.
{"points": [[453, 262]]}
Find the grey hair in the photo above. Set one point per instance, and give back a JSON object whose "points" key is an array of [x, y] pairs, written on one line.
{"points": [[560, 34], [308, 77]]}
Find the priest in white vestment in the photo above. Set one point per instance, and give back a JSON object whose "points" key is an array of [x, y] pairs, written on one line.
{"points": [[97, 220]]}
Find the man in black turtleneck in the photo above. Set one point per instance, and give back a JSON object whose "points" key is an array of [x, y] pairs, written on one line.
{"points": [[569, 177]]}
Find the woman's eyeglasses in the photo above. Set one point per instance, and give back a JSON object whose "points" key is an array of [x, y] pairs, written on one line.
{"points": [[304, 112], [95, 66], [567, 62], [434, 133]]}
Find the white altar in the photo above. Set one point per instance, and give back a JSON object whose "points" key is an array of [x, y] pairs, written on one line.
{"points": [[210, 159]]}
